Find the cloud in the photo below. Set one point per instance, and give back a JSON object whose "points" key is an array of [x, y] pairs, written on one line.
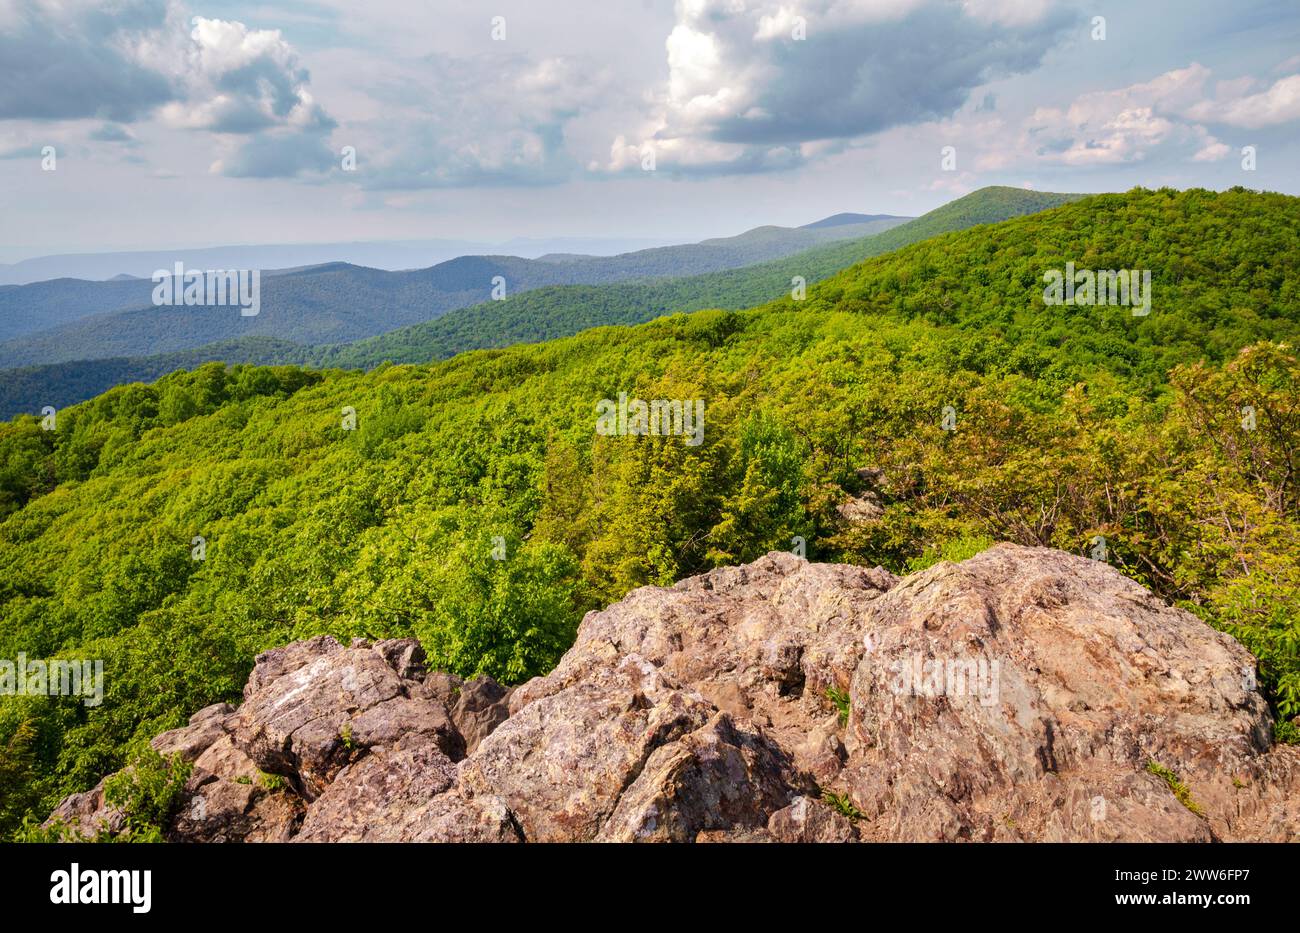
{"points": [[241, 80], [278, 155], [1116, 126], [455, 122], [751, 86], [27, 140], [1170, 112], [112, 133], [1208, 149], [1278, 104], [73, 59], [250, 82], [130, 60]]}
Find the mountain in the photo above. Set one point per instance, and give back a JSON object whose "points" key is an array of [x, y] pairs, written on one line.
{"points": [[540, 314], [391, 254], [559, 311], [53, 322], [672, 719], [60, 306], [29, 309], [839, 220], [917, 407]]}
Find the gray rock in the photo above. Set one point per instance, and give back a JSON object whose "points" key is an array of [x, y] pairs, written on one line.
{"points": [[402, 717], [561, 763], [191, 741], [297, 705], [453, 817], [717, 778]]}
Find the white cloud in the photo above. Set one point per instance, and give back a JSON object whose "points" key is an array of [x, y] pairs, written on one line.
{"points": [[1278, 104], [453, 122], [750, 85], [131, 61], [1126, 125], [241, 80], [1210, 149]]}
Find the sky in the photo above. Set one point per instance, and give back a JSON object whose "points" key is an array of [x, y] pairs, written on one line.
{"points": [[170, 124]]}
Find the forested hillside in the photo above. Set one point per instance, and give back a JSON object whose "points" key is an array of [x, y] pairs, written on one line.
{"points": [[559, 312], [69, 319], [28, 389], [29, 309], [475, 507], [543, 313]]}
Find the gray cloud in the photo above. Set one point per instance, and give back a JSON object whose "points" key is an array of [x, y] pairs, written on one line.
{"points": [[62, 61], [279, 155], [111, 133], [133, 59], [855, 79], [463, 123]]}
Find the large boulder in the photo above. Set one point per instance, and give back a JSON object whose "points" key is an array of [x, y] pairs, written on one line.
{"points": [[563, 762]]}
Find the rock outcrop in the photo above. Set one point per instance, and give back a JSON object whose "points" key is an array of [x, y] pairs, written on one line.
{"points": [[1024, 694]]}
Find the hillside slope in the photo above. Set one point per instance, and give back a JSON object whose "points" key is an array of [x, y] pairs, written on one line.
{"points": [[51, 322], [540, 314], [558, 312], [917, 406]]}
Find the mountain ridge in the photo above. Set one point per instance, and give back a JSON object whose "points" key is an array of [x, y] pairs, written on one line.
{"points": [[52, 322], [837, 220], [539, 314]]}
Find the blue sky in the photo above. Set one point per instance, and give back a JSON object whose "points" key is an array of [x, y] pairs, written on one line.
{"points": [[179, 124]]}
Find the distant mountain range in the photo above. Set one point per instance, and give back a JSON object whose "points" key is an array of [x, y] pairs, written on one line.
{"points": [[840, 220], [547, 313], [387, 254], [539, 314], [71, 319]]}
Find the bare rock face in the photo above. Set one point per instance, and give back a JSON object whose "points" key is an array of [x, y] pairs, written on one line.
{"points": [[371, 798], [807, 820], [719, 777], [1024, 694]]}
